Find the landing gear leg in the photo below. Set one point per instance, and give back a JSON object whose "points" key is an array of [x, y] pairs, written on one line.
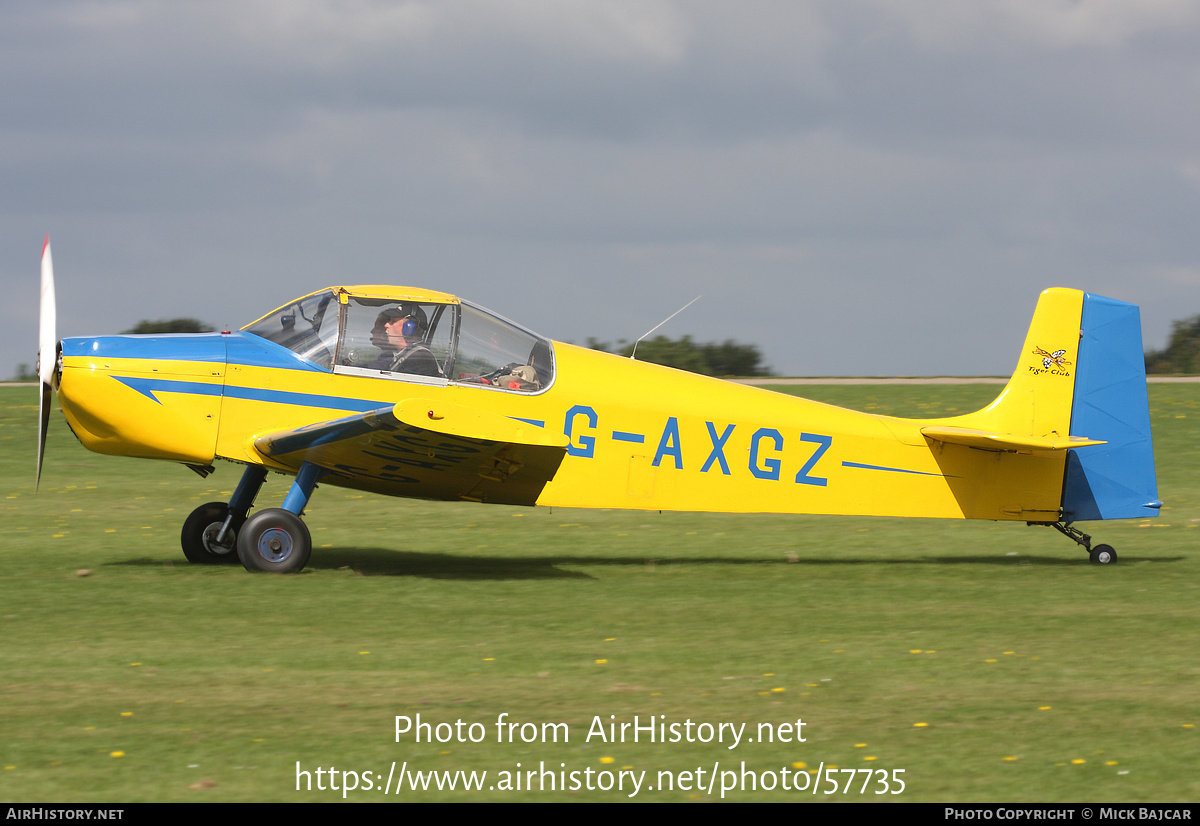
{"points": [[210, 532], [275, 539], [200, 531], [1099, 555]]}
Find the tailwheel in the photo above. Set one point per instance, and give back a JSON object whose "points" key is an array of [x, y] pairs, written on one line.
{"points": [[201, 531], [1099, 555], [274, 540]]}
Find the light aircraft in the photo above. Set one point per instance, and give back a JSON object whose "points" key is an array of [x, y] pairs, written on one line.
{"points": [[412, 392]]}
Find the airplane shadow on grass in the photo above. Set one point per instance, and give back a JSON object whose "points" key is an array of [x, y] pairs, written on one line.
{"points": [[386, 562]]}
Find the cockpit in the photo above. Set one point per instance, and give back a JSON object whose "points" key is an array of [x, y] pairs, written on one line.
{"points": [[416, 336]]}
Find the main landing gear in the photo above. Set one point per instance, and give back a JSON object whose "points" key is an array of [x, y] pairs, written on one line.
{"points": [[1098, 555], [202, 539], [274, 539]]}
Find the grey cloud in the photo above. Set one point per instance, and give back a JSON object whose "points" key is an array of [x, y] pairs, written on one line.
{"points": [[860, 187]]}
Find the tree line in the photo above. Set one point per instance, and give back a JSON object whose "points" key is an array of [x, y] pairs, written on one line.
{"points": [[726, 358], [1182, 353]]}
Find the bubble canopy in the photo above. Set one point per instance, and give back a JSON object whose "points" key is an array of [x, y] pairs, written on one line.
{"points": [[412, 335]]}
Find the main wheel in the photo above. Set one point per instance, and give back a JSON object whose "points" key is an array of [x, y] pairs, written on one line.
{"points": [[199, 536], [1103, 555], [274, 540]]}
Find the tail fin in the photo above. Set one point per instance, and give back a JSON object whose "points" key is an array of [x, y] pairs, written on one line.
{"points": [[1080, 385], [1038, 398]]}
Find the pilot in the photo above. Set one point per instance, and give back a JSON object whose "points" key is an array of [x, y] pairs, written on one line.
{"points": [[399, 333]]}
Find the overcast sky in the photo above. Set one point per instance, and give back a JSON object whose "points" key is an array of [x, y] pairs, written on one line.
{"points": [[857, 186]]}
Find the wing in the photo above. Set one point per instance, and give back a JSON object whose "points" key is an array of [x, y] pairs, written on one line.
{"points": [[426, 449]]}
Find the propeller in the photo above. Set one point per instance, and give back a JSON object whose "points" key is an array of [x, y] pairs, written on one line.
{"points": [[47, 354]]}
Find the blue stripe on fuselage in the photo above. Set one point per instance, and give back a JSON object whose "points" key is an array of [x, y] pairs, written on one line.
{"points": [[148, 387], [536, 422], [302, 399], [862, 466]]}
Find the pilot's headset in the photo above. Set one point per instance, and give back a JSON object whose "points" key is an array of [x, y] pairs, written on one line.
{"points": [[416, 323]]}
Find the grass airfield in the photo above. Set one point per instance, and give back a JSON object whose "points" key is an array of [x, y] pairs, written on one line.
{"points": [[988, 661]]}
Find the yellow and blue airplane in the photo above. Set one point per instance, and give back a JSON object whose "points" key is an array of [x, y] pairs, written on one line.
{"points": [[412, 392]]}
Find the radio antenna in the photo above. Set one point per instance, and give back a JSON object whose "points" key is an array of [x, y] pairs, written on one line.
{"points": [[661, 323]]}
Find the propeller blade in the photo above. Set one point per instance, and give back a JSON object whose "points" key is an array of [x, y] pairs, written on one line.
{"points": [[43, 424], [47, 354], [47, 337]]}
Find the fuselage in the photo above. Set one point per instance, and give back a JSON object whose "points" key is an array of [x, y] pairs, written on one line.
{"points": [[640, 435]]}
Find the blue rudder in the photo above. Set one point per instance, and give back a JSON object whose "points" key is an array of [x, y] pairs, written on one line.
{"points": [[1114, 480]]}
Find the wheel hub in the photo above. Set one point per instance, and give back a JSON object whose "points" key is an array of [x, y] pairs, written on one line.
{"points": [[275, 545], [213, 546]]}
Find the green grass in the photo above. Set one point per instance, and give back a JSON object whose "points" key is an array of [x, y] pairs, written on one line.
{"points": [[1018, 656]]}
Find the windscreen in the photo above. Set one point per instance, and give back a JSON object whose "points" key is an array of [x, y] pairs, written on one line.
{"points": [[308, 327]]}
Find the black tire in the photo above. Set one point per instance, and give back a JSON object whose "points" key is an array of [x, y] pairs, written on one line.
{"points": [[1103, 555], [275, 541], [199, 535]]}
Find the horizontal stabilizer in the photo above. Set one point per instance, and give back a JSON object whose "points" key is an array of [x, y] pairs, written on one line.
{"points": [[426, 449], [990, 440]]}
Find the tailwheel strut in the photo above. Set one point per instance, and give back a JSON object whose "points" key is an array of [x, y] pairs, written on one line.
{"points": [[1098, 555]]}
